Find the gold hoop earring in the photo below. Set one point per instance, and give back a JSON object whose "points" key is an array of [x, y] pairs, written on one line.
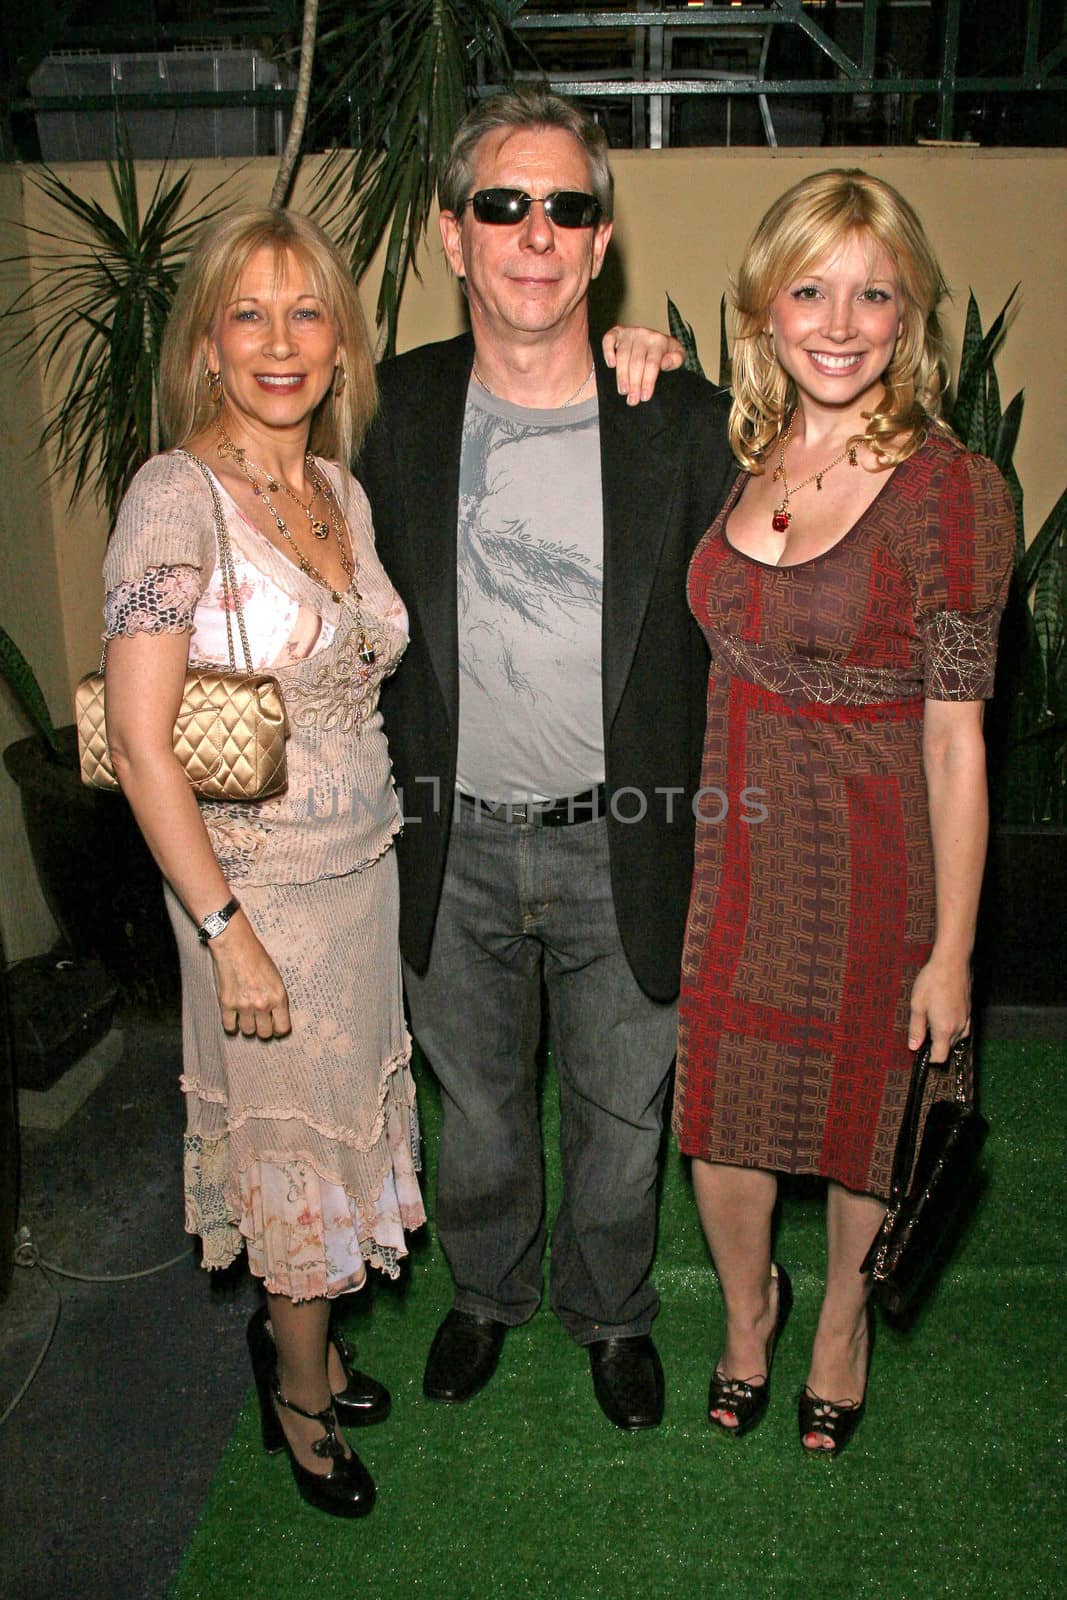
{"points": [[214, 385]]}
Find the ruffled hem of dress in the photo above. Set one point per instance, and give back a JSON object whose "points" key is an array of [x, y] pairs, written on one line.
{"points": [[307, 1236], [352, 1138]]}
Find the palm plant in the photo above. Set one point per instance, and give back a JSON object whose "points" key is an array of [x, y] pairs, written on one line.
{"points": [[410, 73], [105, 285], [287, 166]]}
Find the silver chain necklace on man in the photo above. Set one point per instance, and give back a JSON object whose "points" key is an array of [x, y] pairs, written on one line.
{"points": [[781, 516], [563, 403]]}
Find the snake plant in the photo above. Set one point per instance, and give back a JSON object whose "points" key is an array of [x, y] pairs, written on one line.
{"points": [[17, 673]]}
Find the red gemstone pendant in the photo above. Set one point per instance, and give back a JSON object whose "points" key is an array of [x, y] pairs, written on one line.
{"points": [[780, 521]]}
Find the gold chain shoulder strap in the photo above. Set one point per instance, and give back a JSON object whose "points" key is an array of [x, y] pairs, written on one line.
{"points": [[231, 597]]}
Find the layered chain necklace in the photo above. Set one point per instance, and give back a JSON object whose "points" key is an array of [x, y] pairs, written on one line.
{"points": [[781, 517], [563, 403], [226, 447]]}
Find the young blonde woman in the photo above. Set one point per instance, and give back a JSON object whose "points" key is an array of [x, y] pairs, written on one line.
{"points": [[301, 1131], [850, 591]]}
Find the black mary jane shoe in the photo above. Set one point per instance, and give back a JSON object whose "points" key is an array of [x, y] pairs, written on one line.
{"points": [[746, 1400], [348, 1489], [361, 1402]]}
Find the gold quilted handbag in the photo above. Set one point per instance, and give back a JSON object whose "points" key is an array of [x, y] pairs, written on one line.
{"points": [[231, 727]]}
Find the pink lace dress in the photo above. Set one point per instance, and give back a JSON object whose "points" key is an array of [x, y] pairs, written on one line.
{"points": [[305, 1149]]}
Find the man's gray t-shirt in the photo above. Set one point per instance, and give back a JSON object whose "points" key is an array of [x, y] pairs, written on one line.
{"points": [[531, 578]]}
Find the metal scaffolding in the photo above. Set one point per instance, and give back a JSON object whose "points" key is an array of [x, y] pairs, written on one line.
{"points": [[651, 85]]}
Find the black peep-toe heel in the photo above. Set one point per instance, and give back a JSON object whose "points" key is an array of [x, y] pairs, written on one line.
{"points": [[742, 1397], [836, 1420]]}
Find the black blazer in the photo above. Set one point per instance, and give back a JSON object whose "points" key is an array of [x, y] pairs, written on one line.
{"points": [[666, 469]]}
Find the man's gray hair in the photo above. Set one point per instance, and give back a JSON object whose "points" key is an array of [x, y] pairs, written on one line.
{"points": [[525, 108]]}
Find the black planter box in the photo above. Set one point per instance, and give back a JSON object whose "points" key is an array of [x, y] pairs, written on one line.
{"points": [[59, 1007], [96, 873], [1020, 960]]}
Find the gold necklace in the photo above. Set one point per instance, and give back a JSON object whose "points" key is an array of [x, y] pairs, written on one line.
{"points": [[781, 516], [226, 447], [320, 529], [563, 403]]}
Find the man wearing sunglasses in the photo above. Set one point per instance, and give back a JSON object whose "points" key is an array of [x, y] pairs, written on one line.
{"points": [[546, 731]]}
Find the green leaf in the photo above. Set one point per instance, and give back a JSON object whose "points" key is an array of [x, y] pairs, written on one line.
{"points": [[410, 71], [1043, 544], [683, 332], [975, 415], [726, 366], [1007, 435], [17, 673], [107, 278]]}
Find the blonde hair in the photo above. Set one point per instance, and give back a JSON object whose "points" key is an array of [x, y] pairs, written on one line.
{"points": [[804, 225], [214, 266]]}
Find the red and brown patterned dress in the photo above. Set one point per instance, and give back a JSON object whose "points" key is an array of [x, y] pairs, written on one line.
{"points": [[813, 892]]}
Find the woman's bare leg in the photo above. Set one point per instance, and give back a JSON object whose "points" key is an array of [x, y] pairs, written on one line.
{"points": [[735, 1206], [839, 1355]]}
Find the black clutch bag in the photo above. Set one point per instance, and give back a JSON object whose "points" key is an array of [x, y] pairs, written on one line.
{"points": [[923, 1213]]}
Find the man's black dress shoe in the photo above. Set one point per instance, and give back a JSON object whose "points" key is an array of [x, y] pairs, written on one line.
{"points": [[463, 1356], [628, 1381]]}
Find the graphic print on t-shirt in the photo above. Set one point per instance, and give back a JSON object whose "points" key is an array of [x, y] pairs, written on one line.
{"points": [[530, 588]]}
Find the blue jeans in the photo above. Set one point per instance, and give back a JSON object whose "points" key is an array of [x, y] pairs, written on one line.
{"points": [[520, 901]]}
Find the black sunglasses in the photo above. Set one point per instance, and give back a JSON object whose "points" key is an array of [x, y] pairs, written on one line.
{"points": [[567, 208]]}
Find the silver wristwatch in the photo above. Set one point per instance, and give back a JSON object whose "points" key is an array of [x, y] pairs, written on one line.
{"points": [[216, 923]]}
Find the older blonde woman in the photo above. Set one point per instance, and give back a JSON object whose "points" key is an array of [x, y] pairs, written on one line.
{"points": [[301, 1123], [850, 591]]}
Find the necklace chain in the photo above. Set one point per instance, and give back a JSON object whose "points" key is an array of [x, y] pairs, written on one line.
{"points": [[781, 517], [320, 529], [253, 473], [563, 403], [365, 648]]}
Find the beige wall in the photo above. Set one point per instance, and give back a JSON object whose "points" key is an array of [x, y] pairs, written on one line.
{"points": [[31, 608], [996, 218]]}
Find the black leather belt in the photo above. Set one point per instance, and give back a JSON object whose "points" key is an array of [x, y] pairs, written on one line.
{"points": [[584, 807]]}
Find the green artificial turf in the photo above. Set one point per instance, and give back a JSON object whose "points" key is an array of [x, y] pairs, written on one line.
{"points": [[953, 1485]]}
